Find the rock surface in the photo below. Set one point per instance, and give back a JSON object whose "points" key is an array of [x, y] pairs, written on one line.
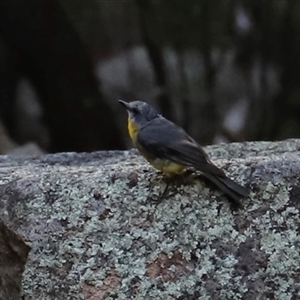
{"points": [[13, 256], [96, 233]]}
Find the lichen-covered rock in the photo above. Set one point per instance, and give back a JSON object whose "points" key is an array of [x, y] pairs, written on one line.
{"points": [[13, 257], [97, 233]]}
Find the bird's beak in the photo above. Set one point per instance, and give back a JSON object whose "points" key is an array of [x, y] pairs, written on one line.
{"points": [[125, 104]]}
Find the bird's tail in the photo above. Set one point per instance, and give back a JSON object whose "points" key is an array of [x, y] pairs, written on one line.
{"points": [[229, 187]]}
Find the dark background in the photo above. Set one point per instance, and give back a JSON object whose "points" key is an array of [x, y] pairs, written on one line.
{"points": [[224, 70]]}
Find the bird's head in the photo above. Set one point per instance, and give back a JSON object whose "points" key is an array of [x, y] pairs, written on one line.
{"points": [[139, 112]]}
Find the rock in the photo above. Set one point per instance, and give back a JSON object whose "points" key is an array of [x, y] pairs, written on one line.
{"points": [[13, 257], [97, 233]]}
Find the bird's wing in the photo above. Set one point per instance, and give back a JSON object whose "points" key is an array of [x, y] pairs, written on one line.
{"points": [[165, 140]]}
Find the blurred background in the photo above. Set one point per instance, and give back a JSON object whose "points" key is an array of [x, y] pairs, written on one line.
{"points": [[224, 70]]}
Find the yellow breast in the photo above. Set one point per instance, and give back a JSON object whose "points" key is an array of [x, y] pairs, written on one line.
{"points": [[133, 130]]}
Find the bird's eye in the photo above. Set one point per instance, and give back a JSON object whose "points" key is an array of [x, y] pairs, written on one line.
{"points": [[135, 110]]}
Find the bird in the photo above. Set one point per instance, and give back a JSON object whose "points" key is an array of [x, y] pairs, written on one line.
{"points": [[171, 150]]}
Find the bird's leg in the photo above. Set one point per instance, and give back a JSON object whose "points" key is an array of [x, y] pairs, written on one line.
{"points": [[168, 179], [174, 179], [164, 194]]}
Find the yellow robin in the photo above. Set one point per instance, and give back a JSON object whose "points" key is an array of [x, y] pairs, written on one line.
{"points": [[171, 150]]}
